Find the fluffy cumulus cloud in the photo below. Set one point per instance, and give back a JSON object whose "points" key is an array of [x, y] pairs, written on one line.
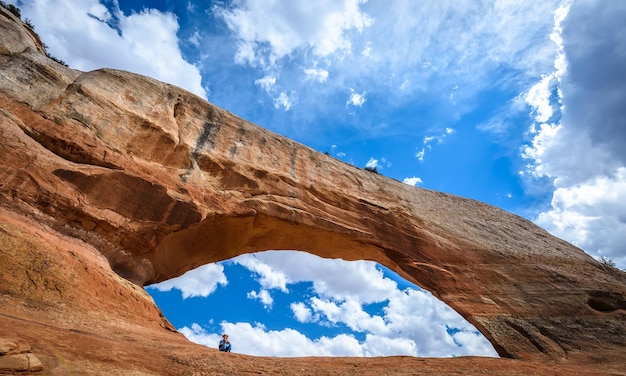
{"points": [[87, 36], [351, 313], [365, 284], [268, 277], [414, 181], [301, 312], [257, 340], [412, 321], [263, 296], [580, 128], [592, 215], [201, 281]]}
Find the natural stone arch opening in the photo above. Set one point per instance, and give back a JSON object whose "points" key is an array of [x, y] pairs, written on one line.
{"points": [[428, 327], [222, 238]]}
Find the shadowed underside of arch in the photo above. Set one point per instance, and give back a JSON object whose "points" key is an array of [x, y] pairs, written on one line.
{"points": [[160, 182]]}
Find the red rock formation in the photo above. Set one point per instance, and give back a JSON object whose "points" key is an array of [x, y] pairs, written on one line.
{"points": [[158, 181]]}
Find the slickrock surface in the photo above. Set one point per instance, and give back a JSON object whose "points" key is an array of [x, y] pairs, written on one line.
{"points": [[110, 181]]}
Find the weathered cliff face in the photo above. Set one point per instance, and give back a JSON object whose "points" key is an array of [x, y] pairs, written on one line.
{"points": [[158, 181]]}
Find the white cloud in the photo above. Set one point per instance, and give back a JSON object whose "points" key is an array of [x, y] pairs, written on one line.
{"points": [[285, 101], [339, 154], [266, 83], [349, 312], [356, 99], [270, 30], [470, 343], [197, 334], [264, 296], [320, 75], [420, 154], [541, 96], [270, 278], [414, 181], [425, 321], [327, 308], [201, 281], [301, 312], [383, 346], [366, 282], [428, 140], [195, 39], [538, 98], [78, 32], [592, 215]]}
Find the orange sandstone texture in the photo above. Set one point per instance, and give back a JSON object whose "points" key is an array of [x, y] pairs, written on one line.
{"points": [[111, 180]]}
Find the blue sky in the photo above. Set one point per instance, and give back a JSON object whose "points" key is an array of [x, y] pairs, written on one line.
{"points": [[520, 104]]}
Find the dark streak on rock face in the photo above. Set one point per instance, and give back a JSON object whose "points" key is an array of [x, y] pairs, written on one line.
{"points": [[209, 131]]}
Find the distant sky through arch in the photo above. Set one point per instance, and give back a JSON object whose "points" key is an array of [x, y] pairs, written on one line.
{"points": [[288, 303]]}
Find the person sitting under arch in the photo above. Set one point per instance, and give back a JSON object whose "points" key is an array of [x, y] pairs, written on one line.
{"points": [[224, 344]]}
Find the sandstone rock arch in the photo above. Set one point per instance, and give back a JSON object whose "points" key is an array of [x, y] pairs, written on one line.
{"points": [[160, 182]]}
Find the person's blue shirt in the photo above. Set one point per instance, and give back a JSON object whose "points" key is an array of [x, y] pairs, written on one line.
{"points": [[224, 344]]}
